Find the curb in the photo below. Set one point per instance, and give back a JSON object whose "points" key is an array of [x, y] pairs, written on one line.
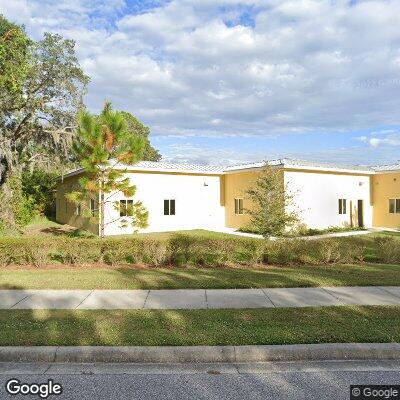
{"points": [[202, 354]]}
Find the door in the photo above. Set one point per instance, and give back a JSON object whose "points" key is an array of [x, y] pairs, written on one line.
{"points": [[360, 212]]}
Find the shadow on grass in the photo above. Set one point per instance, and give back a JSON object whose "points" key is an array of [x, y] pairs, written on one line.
{"points": [[66, 232], [340, 324], [43, 327], [223, 278], [199, 327], [201, 278]]}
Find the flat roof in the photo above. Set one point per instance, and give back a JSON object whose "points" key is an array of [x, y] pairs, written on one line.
{"points": [[302, 164], [165, 167]]}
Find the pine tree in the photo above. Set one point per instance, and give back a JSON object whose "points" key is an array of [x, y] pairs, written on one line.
{"points": [[103, 145], [273, 206]]}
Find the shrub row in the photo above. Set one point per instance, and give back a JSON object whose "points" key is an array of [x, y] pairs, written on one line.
{"points": [[180, 250], [387, 249]]}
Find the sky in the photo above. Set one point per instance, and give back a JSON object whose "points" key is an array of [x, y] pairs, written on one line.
{"points": [[228, 81]]}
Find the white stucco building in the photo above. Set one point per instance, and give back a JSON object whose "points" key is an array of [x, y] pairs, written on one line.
{"points": [[181, 196]]}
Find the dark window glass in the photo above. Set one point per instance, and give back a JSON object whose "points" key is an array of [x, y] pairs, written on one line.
{"points": [[166, 207], [392, 206], [342, 206], [169, 207], [398, 205], [93, 206], [238, 206], [122, 208], [129, 208], [126, 208]]}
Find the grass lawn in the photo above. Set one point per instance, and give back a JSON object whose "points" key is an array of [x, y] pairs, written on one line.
{"points": [[177, 278], [42, 226], [200, 327]]}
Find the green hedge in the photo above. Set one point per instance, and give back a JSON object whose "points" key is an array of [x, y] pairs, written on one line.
{"points": [[387, 249], [182, 250]]}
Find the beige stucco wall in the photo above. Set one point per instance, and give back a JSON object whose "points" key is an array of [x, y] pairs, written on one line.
{"points": [[236, 185], [66, 211], [213, 199], [385, 186], [316, 196]]}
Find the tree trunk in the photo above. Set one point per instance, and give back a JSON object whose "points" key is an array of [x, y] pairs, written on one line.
{"points": [[102, 214], [101, 208]]}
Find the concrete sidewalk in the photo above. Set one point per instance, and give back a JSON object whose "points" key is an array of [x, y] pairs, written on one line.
{"points": [[232, 231], [198, 298]]}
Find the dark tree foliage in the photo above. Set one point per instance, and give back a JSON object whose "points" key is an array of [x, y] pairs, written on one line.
{"points": [[135, 127], [14, 48], [39, 185], [41, 89], [272, 207], [39, 102]]}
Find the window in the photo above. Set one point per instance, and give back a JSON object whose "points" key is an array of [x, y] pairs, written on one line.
{"points": [[238, 206], [126, 208], [394, 206], [169, 207], [342, 206], [93, 207]]}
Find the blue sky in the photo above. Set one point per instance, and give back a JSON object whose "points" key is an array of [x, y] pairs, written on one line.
{"points": [[228, 81]]}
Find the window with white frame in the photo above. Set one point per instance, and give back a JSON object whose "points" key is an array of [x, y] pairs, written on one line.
{"points": [[126, 208], [342, 206], [169, 207], [394, 206], [239, 206]]}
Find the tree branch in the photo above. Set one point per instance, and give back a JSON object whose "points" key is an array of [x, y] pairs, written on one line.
{"points": [[17, 132]]}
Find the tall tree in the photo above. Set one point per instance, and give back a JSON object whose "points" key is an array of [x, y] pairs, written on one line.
{"points": [[14, 49], [40, 93], [135, 127], [103, 146], [14, 56], [41, 87], [273, 209]]}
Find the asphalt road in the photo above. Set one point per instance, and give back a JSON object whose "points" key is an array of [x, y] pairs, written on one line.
{"points": [[285, 380]]}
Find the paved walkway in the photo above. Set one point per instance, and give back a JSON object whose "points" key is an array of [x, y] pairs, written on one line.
{"points": [[232, 231], [198, 298]]}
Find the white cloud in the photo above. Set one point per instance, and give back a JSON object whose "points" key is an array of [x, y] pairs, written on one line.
{"points": [[389, 141], [230, 67], [204, 155], [385, 137]]}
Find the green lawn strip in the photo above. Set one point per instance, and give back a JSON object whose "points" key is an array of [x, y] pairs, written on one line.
{"points": [[178, 278], [200, 327]]}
